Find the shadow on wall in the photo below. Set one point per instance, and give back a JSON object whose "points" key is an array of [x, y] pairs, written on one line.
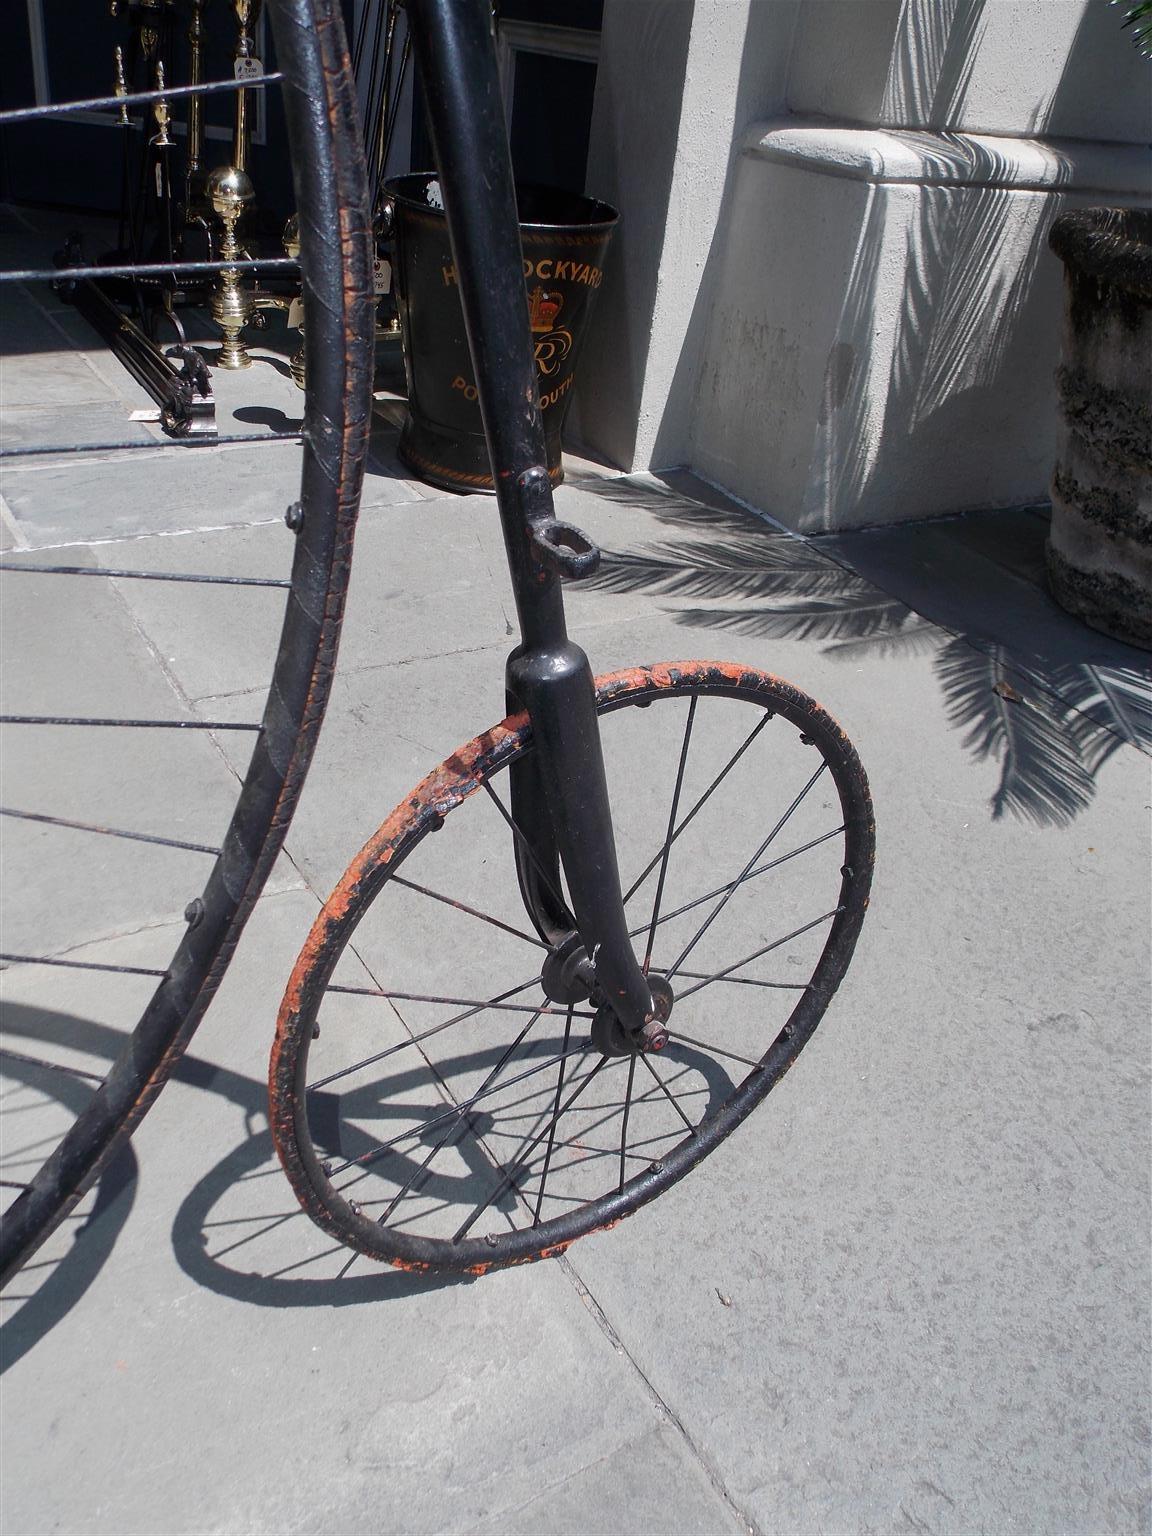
{"points": [[930, 389], [1050, 724], [883, 392]]}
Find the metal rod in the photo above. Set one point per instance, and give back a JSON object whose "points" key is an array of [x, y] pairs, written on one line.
{"points": [[666, 851], [451, 1002], [90, 826], [664, 1089], [370, 1061], [714, 1050], [755, 955], [40, 450], [458, 1120], [92, 570], [151, 269], [365, 1158], [137, 98], [720, 889], [80, 965], [169, 725], [731, 763], [509, 1179], [555, 1114], [742, 877], [462, 906]]}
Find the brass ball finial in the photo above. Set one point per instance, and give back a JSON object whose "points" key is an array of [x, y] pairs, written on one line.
{"points": [[230, 191]]}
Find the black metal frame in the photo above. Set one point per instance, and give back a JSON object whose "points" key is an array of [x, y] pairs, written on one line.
{"points": [[560, 802]]}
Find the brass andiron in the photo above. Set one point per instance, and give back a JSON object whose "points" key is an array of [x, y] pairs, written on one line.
{"points": [[161, 113], [230, 191], [291, 243], [120, 88]]}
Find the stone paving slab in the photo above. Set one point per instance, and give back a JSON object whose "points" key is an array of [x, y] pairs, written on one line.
{"points": [[72, 649], [219, 1374]]}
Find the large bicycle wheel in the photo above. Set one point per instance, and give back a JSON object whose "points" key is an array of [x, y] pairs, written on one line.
{"points": [[440, 1098], [335, 256]]}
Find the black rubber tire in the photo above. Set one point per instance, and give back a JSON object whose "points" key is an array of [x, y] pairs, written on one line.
{"points": [[336, 256], [849, 856]]}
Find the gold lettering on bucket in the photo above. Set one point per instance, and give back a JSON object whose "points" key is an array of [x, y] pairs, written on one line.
{"points": [[547, 268]]}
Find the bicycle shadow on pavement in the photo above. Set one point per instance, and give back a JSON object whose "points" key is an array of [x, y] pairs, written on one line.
{"points": [[48, 1286], [1047, 699], [53, 1282], [259, 1258]]}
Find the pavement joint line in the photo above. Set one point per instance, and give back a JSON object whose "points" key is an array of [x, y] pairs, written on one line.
{"points": [[663, 1407], [117, 587], [177, 920], [155, 533]]}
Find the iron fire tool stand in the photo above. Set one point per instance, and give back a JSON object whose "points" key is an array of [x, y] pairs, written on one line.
{"points": [[560, 808]]}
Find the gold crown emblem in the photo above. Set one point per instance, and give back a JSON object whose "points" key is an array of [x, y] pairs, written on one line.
{"points": [[543, 307]]}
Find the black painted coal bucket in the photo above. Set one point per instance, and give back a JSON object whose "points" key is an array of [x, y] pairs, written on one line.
{"points": [[565, 239]]}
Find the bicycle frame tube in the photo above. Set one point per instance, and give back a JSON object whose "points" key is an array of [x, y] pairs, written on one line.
{"points": [[560, 803]]}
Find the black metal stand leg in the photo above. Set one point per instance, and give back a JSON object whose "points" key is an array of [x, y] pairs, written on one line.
{"points": [[547, 673]]}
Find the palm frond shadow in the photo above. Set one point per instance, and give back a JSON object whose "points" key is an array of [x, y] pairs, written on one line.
{"points": [[1051, 728]]}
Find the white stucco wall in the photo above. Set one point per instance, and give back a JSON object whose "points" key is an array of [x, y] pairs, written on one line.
{"points": [[677, 84], [850, 313]]}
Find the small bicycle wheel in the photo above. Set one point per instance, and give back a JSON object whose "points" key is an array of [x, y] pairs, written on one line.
{"points": [[55, 1166], [439, 1100]]}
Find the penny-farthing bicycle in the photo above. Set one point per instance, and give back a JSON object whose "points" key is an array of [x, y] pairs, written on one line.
{"points": [[585, 947]]}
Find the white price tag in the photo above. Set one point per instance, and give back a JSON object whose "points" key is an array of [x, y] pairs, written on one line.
{"points": [[296, 315], [248, 69], [381, 277], [159, 179]]}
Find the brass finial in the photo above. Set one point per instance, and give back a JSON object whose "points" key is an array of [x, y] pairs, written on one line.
{"points": [[230, 191], [160, 111], [120, 88]]}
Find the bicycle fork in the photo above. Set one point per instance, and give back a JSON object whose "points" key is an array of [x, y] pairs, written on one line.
{"points": [[560, 810]]}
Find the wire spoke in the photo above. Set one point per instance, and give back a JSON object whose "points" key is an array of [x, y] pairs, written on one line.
{"points": [[713, 1050], [627, 1108], [80, 965], [135, 98], [732, 761], [524, 842], [454, 1002], [743, 875], [748, 981], [98, 570], [667, 1094], [245, 265], [458, 1119], [788, 937], [223, 440], [667, 849], [699, 901], [90, 826], [462, 906], [509, 1179], [164, 725], [365, 1158], [48, 1066], [426, 1034], [555, 1117]]}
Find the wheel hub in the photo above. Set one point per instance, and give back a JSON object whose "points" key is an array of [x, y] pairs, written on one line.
{"points": [[611, 1038], [568, 975]]}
